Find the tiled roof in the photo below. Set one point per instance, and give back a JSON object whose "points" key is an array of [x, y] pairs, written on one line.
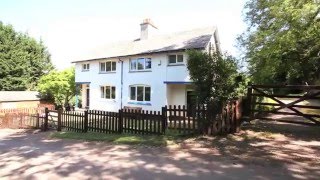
{"points": [[10, 96], [193, 39]]}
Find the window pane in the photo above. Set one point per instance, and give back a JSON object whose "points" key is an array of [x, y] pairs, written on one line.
{"points": [[88, 66], [140, 93], [172, 58], [133, 64], [180, 58], [147, 94], [107, 92], [133, 93], [148, 63], [102, 91], [140, 64], [108, 66], [114, 66], [102, 66], [113, 92]]}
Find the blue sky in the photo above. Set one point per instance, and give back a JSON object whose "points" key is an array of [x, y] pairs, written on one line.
{"points": [[70, 27]]}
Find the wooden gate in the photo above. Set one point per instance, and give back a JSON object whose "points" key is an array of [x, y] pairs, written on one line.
{"points": [[51, 119], [289, 103]]}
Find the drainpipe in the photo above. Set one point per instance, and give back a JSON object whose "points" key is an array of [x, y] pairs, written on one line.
{"points": [[121, 90]]}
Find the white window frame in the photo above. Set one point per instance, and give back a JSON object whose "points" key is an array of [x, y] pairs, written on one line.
{"points": [[176, 63], [103, 93], [85, 66], [136, 92], [144, 64], [105, 66]]}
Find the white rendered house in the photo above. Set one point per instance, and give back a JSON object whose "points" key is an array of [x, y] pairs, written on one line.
{"points": [[148, 72]]}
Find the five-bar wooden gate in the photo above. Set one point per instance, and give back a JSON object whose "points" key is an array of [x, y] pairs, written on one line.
{"points": [[291, 101]]}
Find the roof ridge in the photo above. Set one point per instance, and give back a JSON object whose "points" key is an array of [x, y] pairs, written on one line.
{"points": [[196, 38]]}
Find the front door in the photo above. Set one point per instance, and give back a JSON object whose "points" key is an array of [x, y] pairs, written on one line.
{"points": [[88, 97], [191, 102]]}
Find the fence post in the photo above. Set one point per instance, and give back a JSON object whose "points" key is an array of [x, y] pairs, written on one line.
{"points": [[86, 121], [120, 128], [164, 119], [249, 103], [46, 118], [237, 116], [59, 119], [37, 120]]}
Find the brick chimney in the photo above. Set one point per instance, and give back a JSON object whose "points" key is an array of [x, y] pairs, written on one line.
{"points": [[147, 29]]}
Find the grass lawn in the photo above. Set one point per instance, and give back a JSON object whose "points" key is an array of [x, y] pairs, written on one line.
{"points": [[130, 139]]}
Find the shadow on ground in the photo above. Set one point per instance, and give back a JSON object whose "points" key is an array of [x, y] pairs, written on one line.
{"points": [[290, 147], [260, 151]]}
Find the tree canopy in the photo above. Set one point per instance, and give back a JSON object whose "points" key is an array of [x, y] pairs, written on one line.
{"points": [[23, 60], [216, 77], [60, 85], [282, 42]]}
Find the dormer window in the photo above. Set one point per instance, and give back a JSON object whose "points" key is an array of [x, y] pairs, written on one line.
{"points": [[85, 67], [175, 59]]}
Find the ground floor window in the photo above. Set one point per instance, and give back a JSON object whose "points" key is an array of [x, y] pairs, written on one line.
{"points": [[108, 92], [140, 93]]}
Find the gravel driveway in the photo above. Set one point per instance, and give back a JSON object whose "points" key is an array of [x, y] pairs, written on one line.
{"points": [[29, 155]]}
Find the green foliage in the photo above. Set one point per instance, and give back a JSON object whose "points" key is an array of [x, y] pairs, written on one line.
{"points": [[215, 77], [282, 42], [23, 60], [60, 85]]}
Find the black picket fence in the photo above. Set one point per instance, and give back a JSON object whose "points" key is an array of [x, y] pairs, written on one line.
{"points": [[175, 119]]}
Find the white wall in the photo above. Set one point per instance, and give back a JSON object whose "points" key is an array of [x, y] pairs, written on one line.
{"points": [[176, 94], [160, 73]]}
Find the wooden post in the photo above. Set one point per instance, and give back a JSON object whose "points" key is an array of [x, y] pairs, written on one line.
{"points": [[46, 118], [164, 119], [37, 120], [85, 121], [236, 116], [59, 119], [120, 122], [249, 103]]}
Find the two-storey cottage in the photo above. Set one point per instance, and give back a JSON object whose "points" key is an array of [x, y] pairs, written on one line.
{"points": [[148, 72]]}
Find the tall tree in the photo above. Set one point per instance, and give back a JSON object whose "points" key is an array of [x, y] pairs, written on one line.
{"points": [[60, 85], [216, 77], [23, 60], [282, 42]]}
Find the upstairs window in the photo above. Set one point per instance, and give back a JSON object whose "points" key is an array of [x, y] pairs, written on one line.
{"points": [[175, 59], [108, 92], [140, 93], [140, 64], [85, 67], [108, 66]]}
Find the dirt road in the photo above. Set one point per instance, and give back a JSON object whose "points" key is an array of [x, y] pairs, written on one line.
{"points": [[36, 156]]}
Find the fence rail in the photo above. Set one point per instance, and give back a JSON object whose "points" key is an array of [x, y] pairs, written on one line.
{"points": [[18, 118], [176, 119], [103, 121], [142, 122], [301, 108], [173, 119]]}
